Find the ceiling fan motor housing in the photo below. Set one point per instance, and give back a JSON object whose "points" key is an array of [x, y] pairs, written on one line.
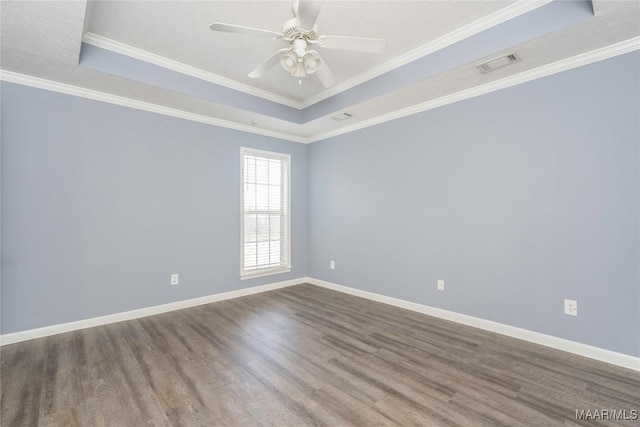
{"points": [[291, 31]]}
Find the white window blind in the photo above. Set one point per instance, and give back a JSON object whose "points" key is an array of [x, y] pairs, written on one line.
{"points": [[265, 241]]}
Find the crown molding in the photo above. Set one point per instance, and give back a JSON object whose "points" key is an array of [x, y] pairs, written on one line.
{"points": [[543, 71], [526, 76], [26, 80], [164, 62], [462, 33], [489, 21]]}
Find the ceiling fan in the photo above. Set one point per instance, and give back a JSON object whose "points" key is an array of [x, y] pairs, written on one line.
{"points": [[300, 33]]}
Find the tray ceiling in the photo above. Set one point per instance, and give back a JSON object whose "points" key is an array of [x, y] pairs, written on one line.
{"points": [[161, 55]]}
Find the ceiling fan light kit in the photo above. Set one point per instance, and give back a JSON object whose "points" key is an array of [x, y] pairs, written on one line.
{"points": [[300, 33], [300, 61], [311, 61]]}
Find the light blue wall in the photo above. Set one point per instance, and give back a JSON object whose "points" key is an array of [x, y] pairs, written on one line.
{"points": [[100, 204], [518, 199], [107, 61]]}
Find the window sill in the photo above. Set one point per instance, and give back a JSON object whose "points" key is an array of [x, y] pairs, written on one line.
{"points": [[245, 276]]}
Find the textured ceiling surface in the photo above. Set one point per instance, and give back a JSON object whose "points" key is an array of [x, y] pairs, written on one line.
{"points": [[180, 31], [48, 29], [43, 39]]}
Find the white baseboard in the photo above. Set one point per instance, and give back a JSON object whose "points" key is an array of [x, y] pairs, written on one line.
{"points": [[143, 312], [580, 349], [608, 356]]}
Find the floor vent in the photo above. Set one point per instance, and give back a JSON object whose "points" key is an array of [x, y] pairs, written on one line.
{"points": [[496, 63]]}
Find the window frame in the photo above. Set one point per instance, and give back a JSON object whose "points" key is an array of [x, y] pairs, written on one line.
{"points": [[285, 265]]}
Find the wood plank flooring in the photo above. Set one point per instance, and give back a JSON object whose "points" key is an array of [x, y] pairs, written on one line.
{"points": [[300, 356]]}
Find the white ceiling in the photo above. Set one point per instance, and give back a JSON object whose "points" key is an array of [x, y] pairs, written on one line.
{"points": [[180, 31], [43, 40]]}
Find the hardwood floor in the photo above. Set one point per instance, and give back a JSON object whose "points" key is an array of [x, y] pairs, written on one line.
{"points": [[298, 356]]}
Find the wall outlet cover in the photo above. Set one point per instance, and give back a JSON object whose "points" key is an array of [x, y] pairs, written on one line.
{"points": [[571, 307], [441, 285], [174, 279]]}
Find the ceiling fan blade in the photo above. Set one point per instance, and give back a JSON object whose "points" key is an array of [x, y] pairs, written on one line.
{"points": [[325, 75], [267, 65], [308, 11], [358, 44], [239, 29]]}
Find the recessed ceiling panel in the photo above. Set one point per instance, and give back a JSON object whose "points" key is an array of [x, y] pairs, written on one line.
{"points": [[41, 43], [180, 31]]}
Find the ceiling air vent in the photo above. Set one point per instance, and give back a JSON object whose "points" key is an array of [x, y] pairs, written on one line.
{"points": [[496, 63], [342, 116]]}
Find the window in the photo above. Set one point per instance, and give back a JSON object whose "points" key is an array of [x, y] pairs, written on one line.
{"points": [[265, 242]]}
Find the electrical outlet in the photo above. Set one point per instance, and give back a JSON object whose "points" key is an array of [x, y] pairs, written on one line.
{"points": [[571, 307], [441, 285], [174, 279], [332, 265]]}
